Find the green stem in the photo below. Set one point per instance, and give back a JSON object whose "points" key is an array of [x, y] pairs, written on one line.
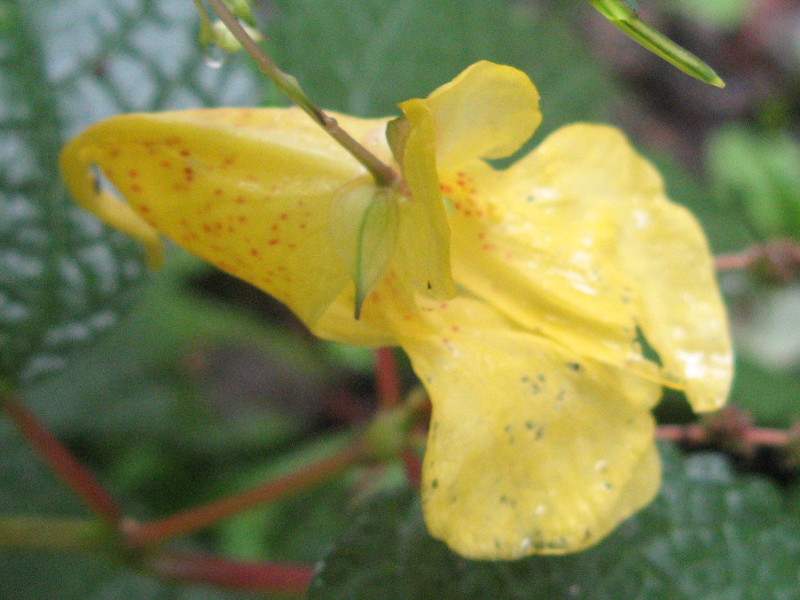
{"points": [[382, 173], [51, 533], [627, 20]]}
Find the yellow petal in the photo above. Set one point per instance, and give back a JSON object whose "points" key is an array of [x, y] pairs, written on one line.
{"points": [[683, 316], [532, 449], [424, 235], [591, 180], [488, 111], [547, 258], [249, 190]]}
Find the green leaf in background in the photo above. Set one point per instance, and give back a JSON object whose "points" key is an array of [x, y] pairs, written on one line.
{"points": [[27, 488], [724, 14], [364, 57], [64, 65], [758, 172], [711, 534]]}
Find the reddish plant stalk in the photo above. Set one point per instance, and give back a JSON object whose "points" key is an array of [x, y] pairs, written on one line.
{"points": [[387, 379], [198, 518], [273, 578], [79, 479], [698, 433]]}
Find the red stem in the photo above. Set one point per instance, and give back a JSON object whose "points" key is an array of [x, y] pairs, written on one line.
{"points": [[413, 466], [61, 461], [387, 379], [701, 434], [203, 516], [781, 256], [271, 578]]}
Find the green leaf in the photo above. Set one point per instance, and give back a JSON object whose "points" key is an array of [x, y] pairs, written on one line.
{"points": [[710, 534], [63, 65]]}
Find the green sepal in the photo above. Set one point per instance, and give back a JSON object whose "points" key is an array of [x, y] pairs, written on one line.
{"points": [[623, 15], [364, 223]]}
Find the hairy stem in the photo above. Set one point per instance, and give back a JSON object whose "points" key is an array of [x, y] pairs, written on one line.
{"points": [[382, 173]]}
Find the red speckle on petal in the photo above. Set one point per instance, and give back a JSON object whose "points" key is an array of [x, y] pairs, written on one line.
{"points": [[284, 216], [217, 191], [254, 252], [136, 188], [144, 208], [446, 188], [274, 242], [189, 173], [185, 152], [165, 163], [133, 173], [242, 218], [240, 199]]}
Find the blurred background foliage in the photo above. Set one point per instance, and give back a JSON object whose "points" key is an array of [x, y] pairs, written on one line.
{"points": [[200, 386]]}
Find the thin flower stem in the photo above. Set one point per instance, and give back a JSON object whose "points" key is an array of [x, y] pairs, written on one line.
{"points": [[271, 578], [192, 520], [61, 460], [387, 379], [382, 173]]}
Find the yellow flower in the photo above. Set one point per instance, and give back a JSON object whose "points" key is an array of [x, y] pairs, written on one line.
{"points": [[577, 290]]}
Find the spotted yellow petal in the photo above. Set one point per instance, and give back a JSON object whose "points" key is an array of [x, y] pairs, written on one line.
{"points": [[547, 258], [488, 111], [249, 190], [532, 448]]}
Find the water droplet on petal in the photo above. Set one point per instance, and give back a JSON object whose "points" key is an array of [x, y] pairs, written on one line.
{"points": [[214, 56]]}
